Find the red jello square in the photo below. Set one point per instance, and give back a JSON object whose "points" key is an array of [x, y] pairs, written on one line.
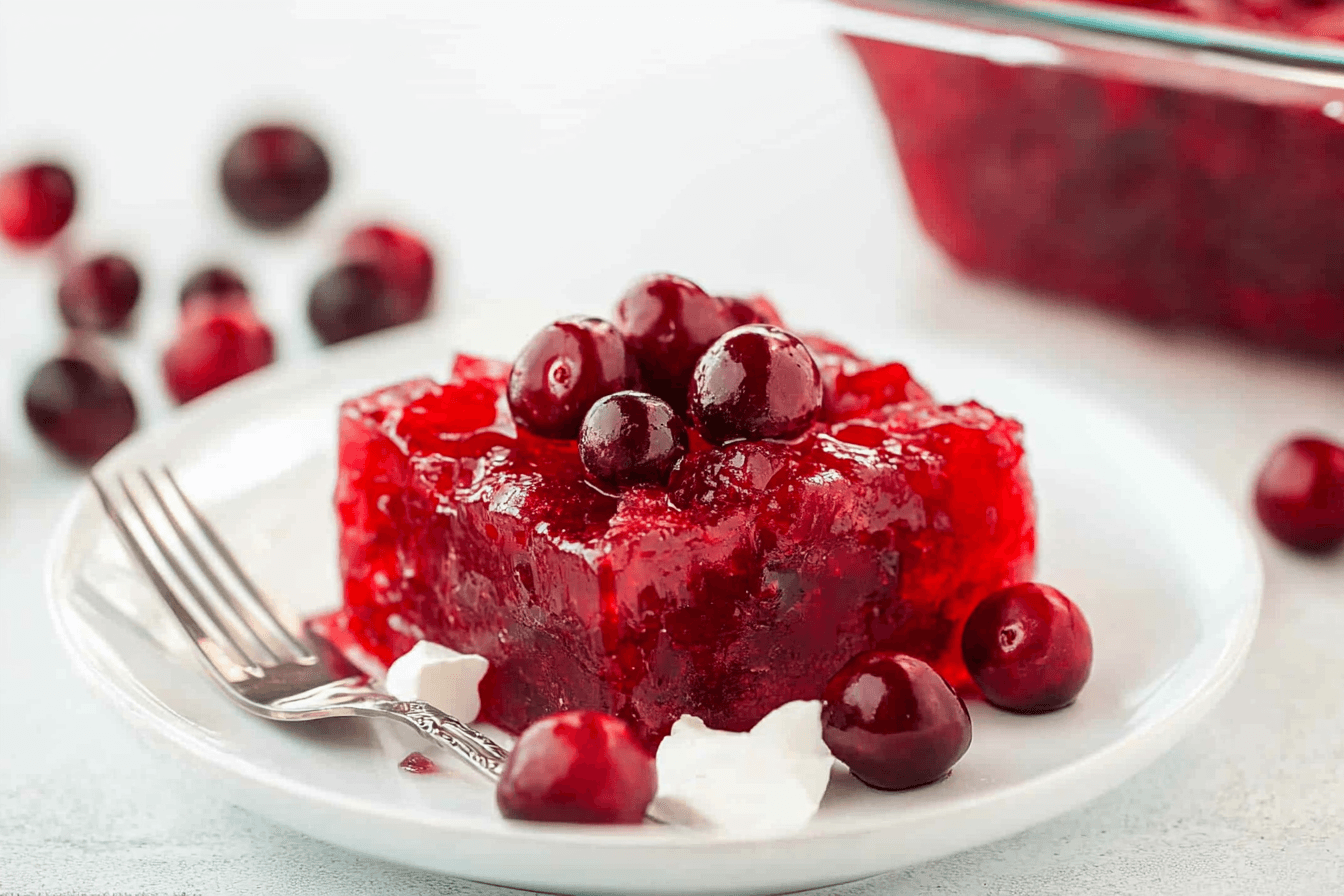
{"points": [[748, 582]]}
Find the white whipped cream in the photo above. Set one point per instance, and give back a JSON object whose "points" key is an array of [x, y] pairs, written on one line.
{"points": [[440, 676], [765, 782]]}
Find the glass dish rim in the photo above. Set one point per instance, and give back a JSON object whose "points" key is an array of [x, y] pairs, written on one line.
{"points": [[1143, 26]]}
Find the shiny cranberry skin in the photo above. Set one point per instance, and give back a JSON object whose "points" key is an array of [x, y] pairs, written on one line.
{"points": [[756, 382], [629, 439], [272, 175], [669, 322], [894, 721], [351, 300], [1300, 494], [215, 345], [403, 261], [564, 369], [215, 283], [580, 766], [79, 407], [36, 202], [99, 294], [1028, 648]]}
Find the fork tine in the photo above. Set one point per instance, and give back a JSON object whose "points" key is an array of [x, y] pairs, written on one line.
{"points": [[202, 604], [188, 622], [259, 603], [238, 614]]}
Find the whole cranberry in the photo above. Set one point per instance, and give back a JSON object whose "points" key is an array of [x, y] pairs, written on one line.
{"points": [[1300, 494], [214, 283], [351, 300], [403, 260], [669, 322], [36, 202], [79, 407], [273, 174], [579, 766], [894, 721], [563, 370], [629, 439], [213, 346], [1028, 648], [99, 294], [756, 382]]}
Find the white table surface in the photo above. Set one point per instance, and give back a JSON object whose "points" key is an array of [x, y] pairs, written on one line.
{"points": [[552, 152]]}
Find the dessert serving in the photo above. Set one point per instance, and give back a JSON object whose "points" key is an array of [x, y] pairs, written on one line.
{"points": [[717, 546], [1132, 172]]}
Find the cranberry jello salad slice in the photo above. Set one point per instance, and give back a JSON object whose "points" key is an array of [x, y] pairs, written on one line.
{"points": [[757, 509]]}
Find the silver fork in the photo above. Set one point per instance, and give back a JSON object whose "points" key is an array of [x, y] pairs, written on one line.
{"points": [[252, 648]]}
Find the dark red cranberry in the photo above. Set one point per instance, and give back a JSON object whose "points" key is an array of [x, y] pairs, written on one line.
{"points": [[1028, 648], [403, 260], [273, 175], [1300, 494], [418, 764], [629, 439], [215, 283], [564, 369], [669, 322], [579, 766], [756, 382], [36, 201], [99, 294], [350, 300], [79, 407], [214, 346], [894, 721]]}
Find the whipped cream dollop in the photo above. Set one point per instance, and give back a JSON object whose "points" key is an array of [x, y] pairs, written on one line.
{"points": [[764, 782], [440, 676]]}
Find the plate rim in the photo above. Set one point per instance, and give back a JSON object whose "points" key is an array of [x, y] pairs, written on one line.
{"points": [[1121, 757]]}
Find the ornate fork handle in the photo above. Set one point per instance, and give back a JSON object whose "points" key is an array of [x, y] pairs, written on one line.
{"points": [[355, 696], [482, 753]]}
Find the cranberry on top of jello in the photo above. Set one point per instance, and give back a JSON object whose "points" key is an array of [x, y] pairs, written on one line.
{"points": [[685, 509]]}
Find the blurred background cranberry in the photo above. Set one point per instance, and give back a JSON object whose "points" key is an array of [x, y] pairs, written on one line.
{"points": [[79, 406], [402, 260], [36, 202], [213, 282], [273, 174], [215, 344], [99, 293]]}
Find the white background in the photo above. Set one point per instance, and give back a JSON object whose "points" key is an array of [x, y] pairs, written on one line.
{"points": [[551, 152]]}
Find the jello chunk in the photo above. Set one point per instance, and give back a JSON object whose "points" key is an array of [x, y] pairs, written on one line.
{"points": [[747, 582]]}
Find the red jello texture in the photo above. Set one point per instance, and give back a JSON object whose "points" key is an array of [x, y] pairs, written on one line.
{"points": [[1170, 205], [761, 570]]}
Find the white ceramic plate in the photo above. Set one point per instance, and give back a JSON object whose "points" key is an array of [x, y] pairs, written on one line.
{"points": [[1162, 567]]}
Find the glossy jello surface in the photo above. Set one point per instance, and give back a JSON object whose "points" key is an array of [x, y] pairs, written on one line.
{"points": [[1172, 205], [747, 582]]}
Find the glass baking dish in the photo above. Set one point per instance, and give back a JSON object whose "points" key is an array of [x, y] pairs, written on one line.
{"points": [[1170, 169]]}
